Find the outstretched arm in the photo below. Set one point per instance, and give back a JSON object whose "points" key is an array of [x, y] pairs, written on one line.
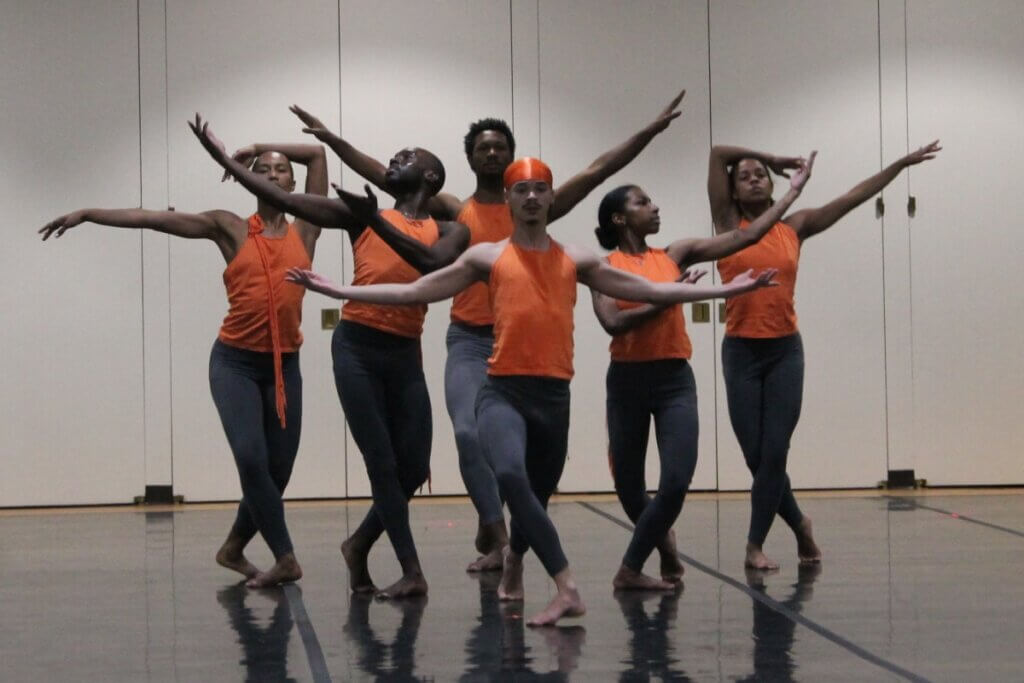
{"points": [[810, 222], [723, 211], [452, 241], [597, 274], [440, 206], [437, 286], [571, 192], [322, 211], [725, 243], [617, 320], [189, 225]]}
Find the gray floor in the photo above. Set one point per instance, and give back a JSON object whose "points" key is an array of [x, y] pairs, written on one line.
{"points": [[924, 588]]}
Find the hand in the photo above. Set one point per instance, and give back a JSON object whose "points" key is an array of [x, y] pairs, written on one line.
{"points": [[691, 275], [310, 280], [59, 226], [779, 165], [747, 281], [922, 153], [363, 209], [245, 156], [202, 131], [314, 126], [668, 113], [803, 172]]}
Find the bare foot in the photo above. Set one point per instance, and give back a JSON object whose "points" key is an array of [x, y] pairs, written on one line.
{"points": [[671, 566], [511, 586], [806, 549], [285, 570], [491, 562], [629, 579], [408, 586], [756, 559], [230, 556], [358, 571], [566, 603]]}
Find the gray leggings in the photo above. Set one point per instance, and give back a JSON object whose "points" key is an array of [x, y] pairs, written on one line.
{"points": [[524, 429], [379, 377], [242, 384], [636, 391], [465, 372], [764, 382]]}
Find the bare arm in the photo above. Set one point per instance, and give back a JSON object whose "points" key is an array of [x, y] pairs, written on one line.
{"points": [[810, 222], [617, 320], [453, 237], [572, 192], [322, 211], [723, 211], [725, 243], [597, 274], [189, 225], [472, 266]]}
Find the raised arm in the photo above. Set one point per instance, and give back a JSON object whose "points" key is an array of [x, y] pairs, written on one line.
{"points": [[809, 222], [322, 211], [687, 251], [724, 213], [571, 192], [442, 284], [452, 241], [597, 274], [617, 320]]}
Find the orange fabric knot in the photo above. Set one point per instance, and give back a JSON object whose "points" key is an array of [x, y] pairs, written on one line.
{"points": [[527, 168], [256, 233]]}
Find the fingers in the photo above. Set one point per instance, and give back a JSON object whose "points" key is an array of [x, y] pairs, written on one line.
{"points": [[369, 192], [674, 103]]}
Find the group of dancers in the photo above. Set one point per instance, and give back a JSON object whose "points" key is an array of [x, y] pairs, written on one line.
{"points": [[510, 341]]}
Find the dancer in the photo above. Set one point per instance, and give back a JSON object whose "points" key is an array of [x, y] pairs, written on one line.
{"points": [[378, 368], [254, 365], [489, 147], [523, 408], [762, 353], [649, 374]]}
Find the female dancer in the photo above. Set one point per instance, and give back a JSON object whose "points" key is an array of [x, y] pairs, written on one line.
{"points": [[649, 373], [762, 354], [254, 364], [523, 408]]}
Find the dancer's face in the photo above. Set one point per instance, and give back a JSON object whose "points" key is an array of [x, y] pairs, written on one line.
{"points": [[403, 172], [751, 183], [276, 168], [529, 200], [491, 154], [640, 213]]}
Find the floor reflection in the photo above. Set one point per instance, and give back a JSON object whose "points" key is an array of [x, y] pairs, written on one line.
{"points": [[394, 661], [773, 633], [264, 648], [651, 652], [496, 647]]}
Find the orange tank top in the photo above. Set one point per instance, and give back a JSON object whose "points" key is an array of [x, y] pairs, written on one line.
{"points": [[265, 311], [486, 223], [768, 312], [376, 262], [664, 335], [532, 296]]}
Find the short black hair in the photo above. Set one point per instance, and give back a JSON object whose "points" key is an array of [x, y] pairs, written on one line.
{"points": [[433, 164], [497, 125]]}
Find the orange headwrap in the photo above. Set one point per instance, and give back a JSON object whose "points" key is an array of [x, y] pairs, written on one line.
{"points": [[527, 168]]}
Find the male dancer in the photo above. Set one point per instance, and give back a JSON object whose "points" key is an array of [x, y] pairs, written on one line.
{"points": [[377, 360], [489, 147]]}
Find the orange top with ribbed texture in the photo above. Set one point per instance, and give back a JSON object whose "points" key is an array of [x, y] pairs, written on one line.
{"points": [[768, 312], [532, 295], [486, 223], [264, 310], [376, 262], [664, 335]]}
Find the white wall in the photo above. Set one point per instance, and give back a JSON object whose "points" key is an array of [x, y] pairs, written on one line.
{"points": [[108, 333]]}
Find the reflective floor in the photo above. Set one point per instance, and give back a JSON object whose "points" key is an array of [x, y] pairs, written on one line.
{"points": [[912, 588]]}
